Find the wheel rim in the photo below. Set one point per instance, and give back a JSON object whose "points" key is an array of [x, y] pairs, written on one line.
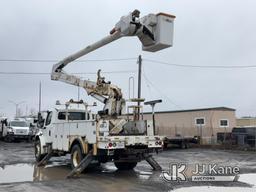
{"points": [[76, 159]]}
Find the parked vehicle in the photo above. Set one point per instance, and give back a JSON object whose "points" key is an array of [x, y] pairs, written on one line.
{"points": [[180, 141], [3, 124], [244, 136], [16, 130]]}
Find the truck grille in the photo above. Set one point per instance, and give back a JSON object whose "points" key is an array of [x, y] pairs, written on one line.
{"points": [[21, 132]]}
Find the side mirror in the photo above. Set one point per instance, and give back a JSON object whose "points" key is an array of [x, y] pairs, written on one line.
{"points": [[40, 122]]}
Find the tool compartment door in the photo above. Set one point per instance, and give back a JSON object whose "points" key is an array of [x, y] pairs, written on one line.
{"points": [[59, 138], [85, 129]]}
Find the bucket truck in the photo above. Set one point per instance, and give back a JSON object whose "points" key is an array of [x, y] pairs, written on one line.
{"points": [[108, 135]]}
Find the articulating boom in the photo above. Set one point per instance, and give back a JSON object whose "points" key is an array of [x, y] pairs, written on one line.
{"points": [[155, 33]]}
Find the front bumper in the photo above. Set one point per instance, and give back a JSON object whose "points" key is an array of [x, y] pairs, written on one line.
{"points": [[12, 135]]}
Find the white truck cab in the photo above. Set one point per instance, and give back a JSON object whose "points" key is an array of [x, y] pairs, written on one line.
{"points": [[78, 131]]}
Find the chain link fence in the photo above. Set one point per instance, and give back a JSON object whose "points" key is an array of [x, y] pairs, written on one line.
{"points": [[240, 137]]}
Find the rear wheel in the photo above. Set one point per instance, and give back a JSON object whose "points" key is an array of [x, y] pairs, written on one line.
{"points": [[125, 165], [38, 153], [182, 145], [76, 156]]}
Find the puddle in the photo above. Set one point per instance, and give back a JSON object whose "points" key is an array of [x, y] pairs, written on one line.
{"points": [[30, 172], [107, 174], [16, 173]]}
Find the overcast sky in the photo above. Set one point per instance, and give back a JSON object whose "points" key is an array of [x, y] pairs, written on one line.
{"points": [[212, 32]]}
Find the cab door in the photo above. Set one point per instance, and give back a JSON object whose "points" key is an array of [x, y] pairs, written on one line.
{"points": [[63, 131], [50, 130]]}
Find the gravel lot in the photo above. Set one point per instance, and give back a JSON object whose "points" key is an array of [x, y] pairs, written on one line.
{"points": [[18, 172]]}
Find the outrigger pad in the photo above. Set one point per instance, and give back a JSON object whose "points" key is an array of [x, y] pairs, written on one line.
{"points": [[46, 158], [152, 162]]}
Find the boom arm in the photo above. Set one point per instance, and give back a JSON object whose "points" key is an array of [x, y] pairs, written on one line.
{"points": [[145, 28]]}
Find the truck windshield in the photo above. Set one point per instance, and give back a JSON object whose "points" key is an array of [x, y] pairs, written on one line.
{"points": [[18, 124]]}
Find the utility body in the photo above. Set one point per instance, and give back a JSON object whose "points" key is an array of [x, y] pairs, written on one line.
{"points": [[78, 131]]}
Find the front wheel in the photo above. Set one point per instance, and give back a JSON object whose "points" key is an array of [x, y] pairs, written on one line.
{"points": [[76, 156], [125, 165], [38, 153], [8, 139]]}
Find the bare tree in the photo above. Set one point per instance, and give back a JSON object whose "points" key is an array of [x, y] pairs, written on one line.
{"points": [[19, 112], [32, 111]]}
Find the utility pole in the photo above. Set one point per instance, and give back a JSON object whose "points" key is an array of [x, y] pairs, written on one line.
{"points": [[139, 83], [17, 106], [40, 99], [78, 93]]}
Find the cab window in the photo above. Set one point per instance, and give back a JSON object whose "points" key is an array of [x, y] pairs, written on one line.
{"points": [[48, 119], [76, 116], [72, 116], [62, 115]]}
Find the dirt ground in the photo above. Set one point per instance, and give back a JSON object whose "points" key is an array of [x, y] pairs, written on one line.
{"points": [[18, 172]]}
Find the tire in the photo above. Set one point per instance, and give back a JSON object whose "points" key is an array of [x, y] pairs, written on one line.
{"points": [[76, 156], [183, 145], [8, 139], [38, 153], [125, 165]]}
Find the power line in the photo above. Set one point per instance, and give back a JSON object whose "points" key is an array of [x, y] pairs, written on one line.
{"points": [[158, 90], [129, 59], [45, 73], [202, 66], [54, 60]]}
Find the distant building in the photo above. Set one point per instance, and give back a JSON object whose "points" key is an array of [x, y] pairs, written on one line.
{"points": [[246, 122], [206, 122]]}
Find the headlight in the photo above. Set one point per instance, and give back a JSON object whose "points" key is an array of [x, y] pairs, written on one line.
{"points": [[10, 129]]}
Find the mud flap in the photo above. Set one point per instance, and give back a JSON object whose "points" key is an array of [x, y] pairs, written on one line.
{"points": [[152, 162], [82, 165]]}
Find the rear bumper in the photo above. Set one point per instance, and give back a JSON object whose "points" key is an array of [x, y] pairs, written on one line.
{"points": [[122, 142]]}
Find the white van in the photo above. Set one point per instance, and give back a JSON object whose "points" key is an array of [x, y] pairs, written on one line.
{"points": [[17, 129]]}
